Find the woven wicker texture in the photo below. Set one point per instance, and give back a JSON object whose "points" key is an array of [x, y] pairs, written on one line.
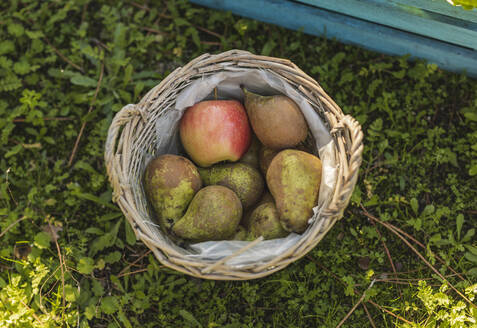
{"points": [[131, 137]]}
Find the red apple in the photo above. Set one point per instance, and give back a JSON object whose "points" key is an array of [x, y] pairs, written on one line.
{"points": [[215, 130]]}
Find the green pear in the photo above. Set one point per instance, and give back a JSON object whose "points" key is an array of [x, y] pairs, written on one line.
{"points": [[170, 183], [246, 181], [240, 234], [266, 198], [213, 214], [293, 179], [276, 120], [265, 221]]}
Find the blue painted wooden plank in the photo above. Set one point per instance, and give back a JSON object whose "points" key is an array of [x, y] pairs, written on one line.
{"points": [[410, 19], [350, 30], [440, 7]]}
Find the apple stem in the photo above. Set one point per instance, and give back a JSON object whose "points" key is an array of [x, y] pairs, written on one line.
{"points": [[215, 93]]}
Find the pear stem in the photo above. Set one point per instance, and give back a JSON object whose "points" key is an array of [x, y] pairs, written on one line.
{"points": [[215, 93]]}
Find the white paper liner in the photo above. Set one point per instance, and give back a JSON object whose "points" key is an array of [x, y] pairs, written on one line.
{"points": [[228, 87]]}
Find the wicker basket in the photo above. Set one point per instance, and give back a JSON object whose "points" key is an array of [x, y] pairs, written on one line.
{"points": [[132, 133]]}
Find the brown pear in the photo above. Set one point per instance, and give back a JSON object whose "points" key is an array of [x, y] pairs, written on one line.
{"points": [[170, 183], [213, 214], [265, 157], [276, 120], [293, 179], [265, 221]]}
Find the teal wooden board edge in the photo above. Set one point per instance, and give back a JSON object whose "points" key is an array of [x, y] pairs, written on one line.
{"points": [[440, 7], [350, 30], [406, 18]]}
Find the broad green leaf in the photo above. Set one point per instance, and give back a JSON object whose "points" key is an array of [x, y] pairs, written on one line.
{"points": [[115, 280], [127, 74], [89, 116], [353, 232], [469, 234], [428, 210], [105, 241], [61, 73], [356, 196], [189, 318], [459, 223], [97, 288], [123, 318], [84, 81], [374, 200], [377, 125], [113, 257], [130, 235], [472, 272], [42, 240], [35, 34], [6, 47], [473, 170], [109, 216], [399, 74], [15, 29], [90, 311], [109, 304], [471, 257], [22, 67], [13, 151], [85, 265], [94, 230], [84, 166], [95, 199], [268, 47], [471, 249], [471, 116], [71, 293], [181, 22], [415, 206]]}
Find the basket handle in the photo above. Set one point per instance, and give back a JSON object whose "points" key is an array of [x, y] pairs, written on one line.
{"points": [[124, 116], [354, 147]]}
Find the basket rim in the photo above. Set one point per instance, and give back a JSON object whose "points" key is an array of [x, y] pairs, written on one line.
{"points": [[345, 130]]}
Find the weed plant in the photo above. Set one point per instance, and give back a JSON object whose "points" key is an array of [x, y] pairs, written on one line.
{"points": [[68, 258]]}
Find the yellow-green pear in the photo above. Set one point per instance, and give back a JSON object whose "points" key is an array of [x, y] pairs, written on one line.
{"points": [[213, 214], [170, 183], [293, 179]]}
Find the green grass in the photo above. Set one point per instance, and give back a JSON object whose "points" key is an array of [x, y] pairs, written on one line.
{"points": [[67, 256]]}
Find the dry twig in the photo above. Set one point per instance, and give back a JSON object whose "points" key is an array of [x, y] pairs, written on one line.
{"points": [[21, 119], [131, 264], [355, 306], [62, 272], [388, 255], [371, 321], [98, 86], [132, 272], [405, 234], [389, 312], [390, 227], [63, 56], [12, 225], [355, 291], [33, 312]]}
